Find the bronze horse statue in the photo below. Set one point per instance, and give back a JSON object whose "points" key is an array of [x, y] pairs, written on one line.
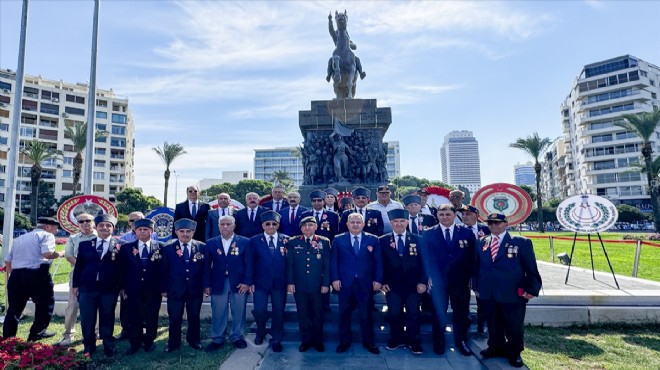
{"points": [[344, 66]]}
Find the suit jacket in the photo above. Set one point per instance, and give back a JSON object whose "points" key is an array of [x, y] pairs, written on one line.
{"points": [[91, 274], [426, 222], [212, 222], [329, 225], [236, 265], [179, 277], [182, 210], [245, 227], [288, 228], [514, 267], [453, 262], [373, 222], [135, 276], [270, 204], [269, 269], [483, 230], [367, 265], [308, 266], [402, 272]]}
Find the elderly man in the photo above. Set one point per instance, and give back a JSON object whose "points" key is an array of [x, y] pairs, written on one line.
{"points": [[456, 199], [356, 271], [417, 222], [269, 251], [278, 202], [470, 218], [87, 231], [182, 283], [96, 283], [327, 221], [139, 283], [224, 209], [291, 215], [131, 235], [194, 209], [248, 219], [228, 282], [373, 220], [385, 204], [27, 262], [426, 208], [506, 279]]}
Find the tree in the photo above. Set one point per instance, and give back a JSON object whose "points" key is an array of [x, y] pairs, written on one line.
{"points": [[214, 190], [261, 187], [78, 134], [36, 151], [46, 200], [283, 178], [20, 221], [535, 146], [628, 213], [644, 125], [530, 191], [408, 180], [552, 202], [133, 200], [168, 154]]}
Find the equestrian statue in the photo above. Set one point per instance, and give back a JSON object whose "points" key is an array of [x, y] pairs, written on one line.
{"points": [[344, 66]]}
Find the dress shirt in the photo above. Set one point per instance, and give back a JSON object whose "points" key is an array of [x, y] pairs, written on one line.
{"points": [[106, 245], [26, 250], [190, 207], [226, 243], [71, 247], [451, 231], [383, 209]]}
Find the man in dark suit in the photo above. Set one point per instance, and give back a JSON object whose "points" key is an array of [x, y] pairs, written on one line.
{"points": [[403, 282], [278, 202], [224, 209], [195, 210], [356, 271], [139, 284], [506, 279], [269, 251], [417, 222], [96, 283], [291, 215], [470, 218], [230, 277], [448, 257], [373, 220], [182, 283], [248, 219], [308, 279], [327, 221]]}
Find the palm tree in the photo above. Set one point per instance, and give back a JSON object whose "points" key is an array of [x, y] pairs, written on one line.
{"points": [[644, 125], [168, 154], [36, 151], [535, 146], [78, 134]]}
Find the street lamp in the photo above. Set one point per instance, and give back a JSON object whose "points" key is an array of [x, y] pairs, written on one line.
{"points": [[176, 187]]}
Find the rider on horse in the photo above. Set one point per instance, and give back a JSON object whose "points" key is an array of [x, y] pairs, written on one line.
{"points": [[333, 34]]}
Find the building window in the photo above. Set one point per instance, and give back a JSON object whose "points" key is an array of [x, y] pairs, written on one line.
{"points": [[101, 103], [604, 165], [98, 163], [3, 140], [99, 151], [5, 86], [118, 118], [102, 139], [50, 95], [68, 160], [101, 127], [99, 175], [4, 127], [118, 142], [605, 178], [118, 130], [99, 188], [67, 173], [629, 176], [29, 105], [100, 114], [28, 132], [75, 111], [75, 99], [601, 138]]}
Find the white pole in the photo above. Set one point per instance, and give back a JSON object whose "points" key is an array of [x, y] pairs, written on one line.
{"points": [[91, 105]]}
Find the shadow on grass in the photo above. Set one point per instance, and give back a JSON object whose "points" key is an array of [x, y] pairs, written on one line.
{"points": [[642, 340]]}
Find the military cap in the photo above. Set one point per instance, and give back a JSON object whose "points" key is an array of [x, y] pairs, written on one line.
{"points": [[409, 199], [47, 221], [316, 194], [423, 191], [496, 217], [143, 222], [346, 201], [398, 213], [383, 188], [106, 217], [185, 223], [306, 220], [361, 191], [469, 208], [331, 191], [270, 216]]}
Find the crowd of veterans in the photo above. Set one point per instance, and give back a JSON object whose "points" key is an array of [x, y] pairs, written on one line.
{"points": [[421, 257]]}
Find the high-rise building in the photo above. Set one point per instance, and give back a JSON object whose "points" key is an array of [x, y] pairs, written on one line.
{"points": [[601, 158], [524, 174], [47, 108], [460, 160]]}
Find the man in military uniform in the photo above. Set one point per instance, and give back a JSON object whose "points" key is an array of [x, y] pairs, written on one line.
{"points": [[182, 283], [403, 281], [470, 218], [27, 262], [228, 283], [327, 221], [269, 251], [417, 222], [308, 279], [373, 220], [506, 279], [87, 231], [139, 284], [96, 283]]}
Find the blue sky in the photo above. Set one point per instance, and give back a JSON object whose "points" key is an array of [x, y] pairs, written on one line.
{"points": [[223, 78]]}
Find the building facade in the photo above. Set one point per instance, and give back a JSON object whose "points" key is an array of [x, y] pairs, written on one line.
{"points": [[47, 108], [460, 160], [524, 174], [601, 158]]}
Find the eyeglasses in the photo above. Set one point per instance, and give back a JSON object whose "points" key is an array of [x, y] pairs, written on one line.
{"points": [[192, 191], [84, 221], [270, 224], [494, 222], [133, 220], [317, 200]]}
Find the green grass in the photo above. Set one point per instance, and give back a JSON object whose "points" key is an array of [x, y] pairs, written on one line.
{"points": [[595, 347]]}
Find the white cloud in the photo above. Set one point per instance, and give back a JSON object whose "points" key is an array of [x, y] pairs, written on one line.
{"points": [[432, 89], [595, 4]]}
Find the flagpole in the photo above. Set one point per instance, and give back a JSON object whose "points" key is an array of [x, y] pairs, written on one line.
{"points": [[91, 106]]}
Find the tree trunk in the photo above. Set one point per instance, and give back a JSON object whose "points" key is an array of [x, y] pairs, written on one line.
{"points": [[539, 201], [35, 176], [77, 171], [167, 185]]}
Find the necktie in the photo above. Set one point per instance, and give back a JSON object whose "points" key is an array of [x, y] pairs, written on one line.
{"points": [[318, 217], [277, 206], [360, 210], [271, 245], [447, 236], [223, 211], [145, 254], [494, 247], [186, 253], [252, 215], [99, 248], [307, 242], [356, 245], [413, 225], [399, 244], [194, 210], [293, 216]]}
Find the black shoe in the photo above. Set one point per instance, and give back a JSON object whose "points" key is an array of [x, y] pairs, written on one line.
{"points": [[491, 353], [241, 343], [416, 349], [43, 335], [169, 349], [371, 348], [319, 347], [149, 348], [516, 361], [439, 349], [259, 340], [122, 336], [277, 347], [343, 347], [304, 346], [463, 349], [392, 345], [131, 350], [196, 346], [213, 346]]}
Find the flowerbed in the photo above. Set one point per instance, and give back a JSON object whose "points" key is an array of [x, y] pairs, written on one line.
{"points": [[18, 354]]}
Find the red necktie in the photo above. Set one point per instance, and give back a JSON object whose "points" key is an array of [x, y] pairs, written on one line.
{"points": [[494, 247]]}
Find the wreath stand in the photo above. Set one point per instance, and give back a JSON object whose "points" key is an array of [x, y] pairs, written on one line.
{"points": [[593, 273]]}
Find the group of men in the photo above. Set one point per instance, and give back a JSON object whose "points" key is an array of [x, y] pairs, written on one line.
{"points": [[279, 248]]}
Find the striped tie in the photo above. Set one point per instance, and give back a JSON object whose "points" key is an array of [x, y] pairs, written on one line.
{"points": [[494, 247]]}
